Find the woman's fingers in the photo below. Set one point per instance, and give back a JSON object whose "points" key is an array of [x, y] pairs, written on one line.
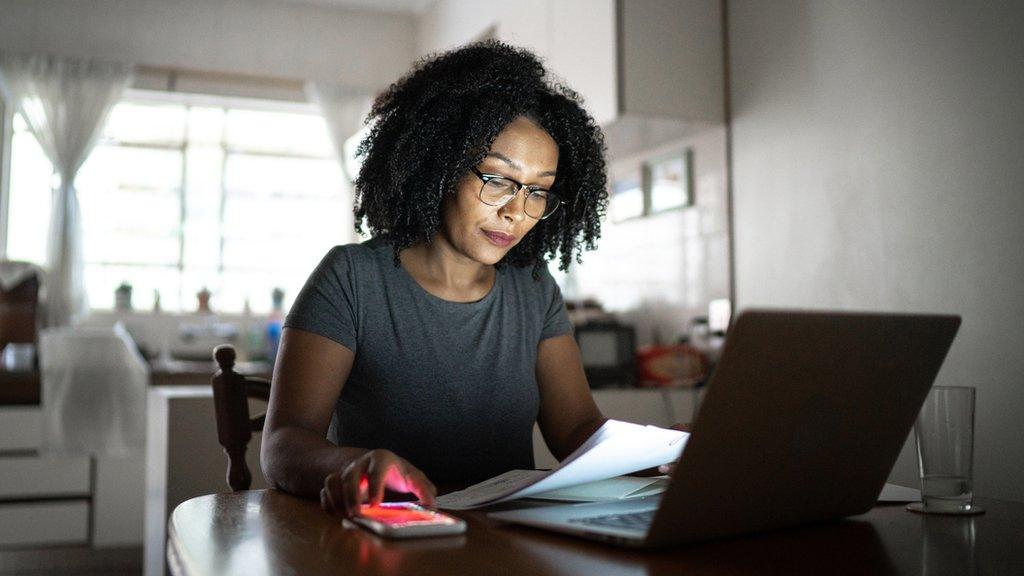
{"points": [[366, 478], [326, 503], [376, 480], [671, 467], [683, 426], [352, 485], [401, 476], [332, 495], [422, 487]]}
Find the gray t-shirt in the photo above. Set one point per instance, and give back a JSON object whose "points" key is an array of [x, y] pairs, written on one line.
{"points": [[448, 386]]}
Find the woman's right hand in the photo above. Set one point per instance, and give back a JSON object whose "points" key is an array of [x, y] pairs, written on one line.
{"points": [[365, 479]]}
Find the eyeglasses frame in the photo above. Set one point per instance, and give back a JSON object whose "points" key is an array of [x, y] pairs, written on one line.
{"points": [[519, 186]]}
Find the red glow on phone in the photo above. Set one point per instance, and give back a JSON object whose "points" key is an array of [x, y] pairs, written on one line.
{"points": [[399, 513]]}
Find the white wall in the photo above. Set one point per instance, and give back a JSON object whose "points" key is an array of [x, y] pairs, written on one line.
{"points": [[362, 49], [659, 271], [877, 165]]}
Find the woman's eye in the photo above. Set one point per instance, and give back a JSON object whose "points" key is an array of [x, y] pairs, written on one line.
{"points": [[499, 184]]}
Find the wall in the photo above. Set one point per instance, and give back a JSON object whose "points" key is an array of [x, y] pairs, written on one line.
{"points": [[877, 165], [362, 49], [659, 271]]}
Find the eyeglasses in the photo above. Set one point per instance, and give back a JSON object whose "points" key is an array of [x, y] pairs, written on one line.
{"points": [[499, 190]]}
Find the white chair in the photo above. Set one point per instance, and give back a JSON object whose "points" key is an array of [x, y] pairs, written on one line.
{"points": [[94, 391]]}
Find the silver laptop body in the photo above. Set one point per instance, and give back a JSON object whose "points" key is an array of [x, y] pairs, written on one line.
{"points": [[803, 420]]}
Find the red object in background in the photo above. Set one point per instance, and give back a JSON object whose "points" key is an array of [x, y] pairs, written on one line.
{"points": [[674, 365]]}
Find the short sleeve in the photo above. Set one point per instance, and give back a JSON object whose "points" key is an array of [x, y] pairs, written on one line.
{"points": [[326, 305], [556, 319]]}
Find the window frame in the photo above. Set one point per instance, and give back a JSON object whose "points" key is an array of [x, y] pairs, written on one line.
{"points": [[6, 143], [102, 263]]}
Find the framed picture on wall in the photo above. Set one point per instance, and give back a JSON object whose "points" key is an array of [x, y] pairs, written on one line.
{"points": [[671, 181], [627, 195]]}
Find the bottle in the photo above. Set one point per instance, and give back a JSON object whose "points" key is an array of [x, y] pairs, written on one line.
{"points": [[275, 324], [245, 351]]}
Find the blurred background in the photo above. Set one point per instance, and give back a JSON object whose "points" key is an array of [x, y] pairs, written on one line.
{"points": [[172, 170]]}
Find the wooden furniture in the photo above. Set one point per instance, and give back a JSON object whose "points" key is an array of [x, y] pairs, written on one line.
{"points": [[72, 468], [19, 388], [183, 461], [270, 532], [19, 310], [231, 392], [19, 324]]}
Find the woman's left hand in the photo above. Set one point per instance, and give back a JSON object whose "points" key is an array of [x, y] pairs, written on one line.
{"points": [[669, 468]]}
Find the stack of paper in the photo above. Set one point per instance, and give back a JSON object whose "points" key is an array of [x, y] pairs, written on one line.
{"points": [[618, 488], [616, 448]]}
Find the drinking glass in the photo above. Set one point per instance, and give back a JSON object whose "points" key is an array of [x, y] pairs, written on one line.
{"points": [[945, 451]]}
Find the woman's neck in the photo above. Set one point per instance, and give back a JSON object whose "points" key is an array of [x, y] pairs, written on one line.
{"points": [[447, 273]]}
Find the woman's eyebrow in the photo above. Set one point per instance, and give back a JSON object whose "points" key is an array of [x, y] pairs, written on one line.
{"points": [[515, 165]]}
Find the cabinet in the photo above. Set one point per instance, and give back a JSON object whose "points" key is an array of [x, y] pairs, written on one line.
{"points": [[44, 500], [640, 60], [49, 499], [649, 71]]}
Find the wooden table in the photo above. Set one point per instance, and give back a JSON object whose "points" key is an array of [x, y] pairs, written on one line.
{"points": [[270, 532]]}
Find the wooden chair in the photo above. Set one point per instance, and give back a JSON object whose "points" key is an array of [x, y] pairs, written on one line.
{"points": [[231, 393]]}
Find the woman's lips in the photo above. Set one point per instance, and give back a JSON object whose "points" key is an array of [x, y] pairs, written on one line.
{"points": [[499, 238]]}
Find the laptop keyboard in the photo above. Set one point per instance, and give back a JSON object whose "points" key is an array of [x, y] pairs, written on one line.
{"points": [[631, 521]]}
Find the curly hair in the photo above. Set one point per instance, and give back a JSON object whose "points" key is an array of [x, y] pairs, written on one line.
{"points": [[433, 125]]}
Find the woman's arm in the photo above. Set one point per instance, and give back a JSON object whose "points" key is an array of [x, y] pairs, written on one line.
{"points": [[297, 457], [308, 376], [568, 414]]}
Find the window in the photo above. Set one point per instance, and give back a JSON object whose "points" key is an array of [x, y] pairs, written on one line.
{"points": [[32, 177], [179, 196]]}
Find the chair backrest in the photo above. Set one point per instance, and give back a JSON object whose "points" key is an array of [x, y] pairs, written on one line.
{"points": [[231, 393]]}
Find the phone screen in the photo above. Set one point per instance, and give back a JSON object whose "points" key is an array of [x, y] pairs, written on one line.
{"points": [[398, 514]]}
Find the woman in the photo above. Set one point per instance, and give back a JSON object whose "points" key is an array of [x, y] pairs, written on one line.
{"points": [[427, 353]]}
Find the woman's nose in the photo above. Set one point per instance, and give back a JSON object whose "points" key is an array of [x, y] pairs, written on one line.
{"points": [[515, 209]]}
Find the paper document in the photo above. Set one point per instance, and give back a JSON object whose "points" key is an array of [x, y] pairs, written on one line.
{"points": [[618, 488], [616, 448]]}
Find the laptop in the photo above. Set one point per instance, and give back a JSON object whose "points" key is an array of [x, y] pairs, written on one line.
{"points": [[803, 419]]}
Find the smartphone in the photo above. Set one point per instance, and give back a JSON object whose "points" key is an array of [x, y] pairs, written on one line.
{"points": [[407, 520]]}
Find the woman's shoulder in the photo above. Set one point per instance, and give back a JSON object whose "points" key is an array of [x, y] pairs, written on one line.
{"points": [[359, 255]]}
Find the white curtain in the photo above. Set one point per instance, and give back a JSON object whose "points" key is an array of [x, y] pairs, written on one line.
{"points": [[344, 109], [65, 103]]}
